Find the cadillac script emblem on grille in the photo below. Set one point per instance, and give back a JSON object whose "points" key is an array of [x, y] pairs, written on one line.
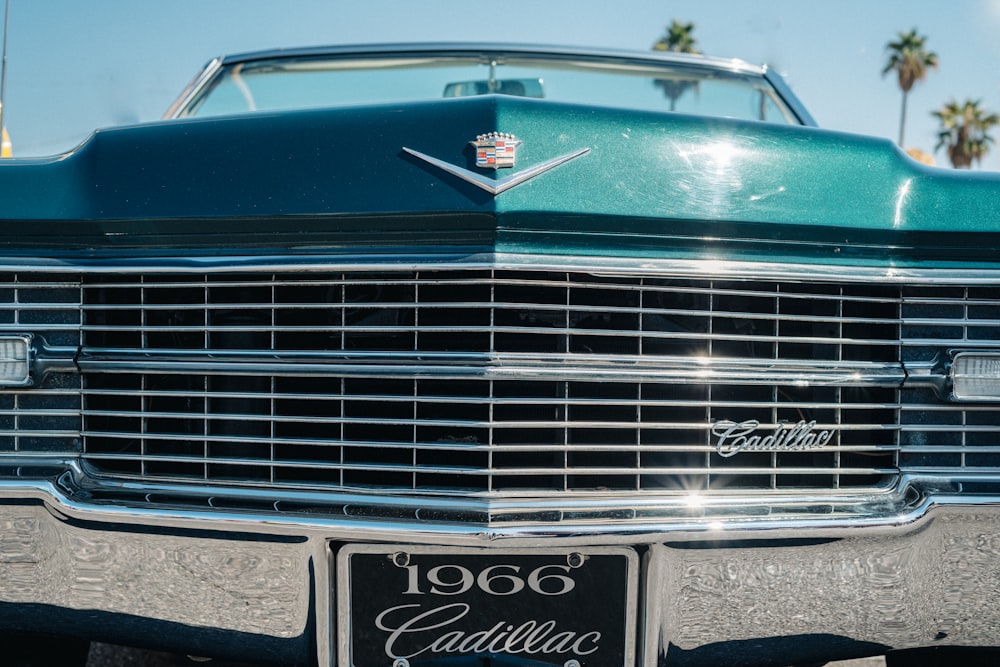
{"points": [[736, 437], [495, 150]]}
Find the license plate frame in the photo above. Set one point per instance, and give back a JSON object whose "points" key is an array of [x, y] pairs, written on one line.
{"points": [[381, 620]]}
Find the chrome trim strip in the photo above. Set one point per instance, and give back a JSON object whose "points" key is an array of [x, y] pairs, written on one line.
{"points": [[52, 359], [581, 518], [927, 374], [692, 517], [193, 89], [551, 507], [788, 97], [492, 366], [641, 505], [577, 264], [504, 49]]}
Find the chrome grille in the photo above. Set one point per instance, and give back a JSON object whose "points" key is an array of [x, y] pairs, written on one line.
{"points": [[44, 419], [482, 380], [937, 436]]}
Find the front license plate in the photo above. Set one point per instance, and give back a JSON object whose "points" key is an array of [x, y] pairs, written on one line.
{"points": [[410, 605]]}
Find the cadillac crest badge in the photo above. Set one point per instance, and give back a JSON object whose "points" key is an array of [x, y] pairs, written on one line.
{"points": [[496, 150]]}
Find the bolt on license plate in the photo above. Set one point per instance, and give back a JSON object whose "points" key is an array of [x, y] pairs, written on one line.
{"points": [[401, 606]]}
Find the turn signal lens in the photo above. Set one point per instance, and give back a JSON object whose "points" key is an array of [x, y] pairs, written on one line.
{"points": [[975, 377]]}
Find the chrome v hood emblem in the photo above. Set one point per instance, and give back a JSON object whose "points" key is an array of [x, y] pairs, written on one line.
{"points": [[495, 187]]}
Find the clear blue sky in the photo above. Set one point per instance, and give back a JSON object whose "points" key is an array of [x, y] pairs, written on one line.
{"points": [[76, 65]]}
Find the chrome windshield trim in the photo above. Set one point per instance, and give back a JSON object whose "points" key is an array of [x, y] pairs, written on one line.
{"points": [[193, 89], [556, 54], [789, 98], [698, 64], [452, 49], [610, 266]]}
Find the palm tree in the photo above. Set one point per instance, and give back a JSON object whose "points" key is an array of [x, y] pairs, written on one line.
{"points": [[965, 131], [678, 38], [910, 60]]}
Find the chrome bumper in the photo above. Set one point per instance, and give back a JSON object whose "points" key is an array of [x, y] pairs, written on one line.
{"points": [[260, 586]]}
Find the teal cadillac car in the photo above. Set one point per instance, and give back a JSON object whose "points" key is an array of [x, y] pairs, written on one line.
{"points": [[513, 356]]}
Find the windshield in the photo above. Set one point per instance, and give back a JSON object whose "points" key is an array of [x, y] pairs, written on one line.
{"points": [[305, 82]]}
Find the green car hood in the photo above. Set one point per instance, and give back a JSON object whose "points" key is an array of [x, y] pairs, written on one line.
{"points": [[650, 184]]}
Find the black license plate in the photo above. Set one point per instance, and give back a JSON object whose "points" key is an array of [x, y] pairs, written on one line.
{"points": [[415, 606]]}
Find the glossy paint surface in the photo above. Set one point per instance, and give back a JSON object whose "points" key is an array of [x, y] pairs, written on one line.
{"points": [[657, 185]]}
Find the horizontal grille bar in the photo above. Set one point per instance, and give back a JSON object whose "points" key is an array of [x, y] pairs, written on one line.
{"points": [[426, 470]]}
